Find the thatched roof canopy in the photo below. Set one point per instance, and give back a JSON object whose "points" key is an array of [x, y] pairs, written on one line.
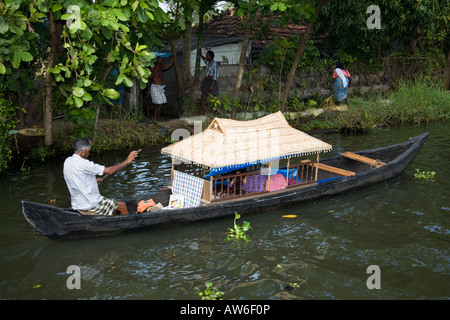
{"points": [[230, 143]]}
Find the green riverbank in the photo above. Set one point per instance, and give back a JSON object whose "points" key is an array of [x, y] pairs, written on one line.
{"points": [[416, 102]]}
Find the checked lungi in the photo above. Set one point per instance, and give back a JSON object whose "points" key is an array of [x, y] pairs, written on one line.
{"points": [[158, 94], [340, 92], [106, 207]]}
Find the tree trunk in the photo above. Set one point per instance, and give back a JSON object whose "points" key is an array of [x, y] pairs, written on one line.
{"points": [[415, 40], [48, 109], [242, 61], [176, 65], [199, 42], [196, 77], [446, 85], [187, 53], [97, 107], [299, 54], [188, 80]]}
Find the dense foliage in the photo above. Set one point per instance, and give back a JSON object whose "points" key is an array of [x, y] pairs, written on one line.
{"points": [[405, 25], [88, 40], [8, 122]]}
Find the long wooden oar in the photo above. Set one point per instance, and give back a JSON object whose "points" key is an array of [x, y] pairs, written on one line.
{"points": [[107, 175]]}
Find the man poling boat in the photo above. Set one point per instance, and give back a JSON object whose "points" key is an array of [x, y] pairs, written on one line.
{"points": [[81, 178]]}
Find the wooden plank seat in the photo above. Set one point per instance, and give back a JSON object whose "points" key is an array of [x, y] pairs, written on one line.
{"points": [[87, 212], [366, 160], [338, 171]]}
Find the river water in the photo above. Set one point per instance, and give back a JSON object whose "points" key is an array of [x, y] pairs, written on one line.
{"points": [[401, 226]]}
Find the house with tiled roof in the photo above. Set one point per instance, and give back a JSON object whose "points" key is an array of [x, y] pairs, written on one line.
{"points": [[227, 28]]}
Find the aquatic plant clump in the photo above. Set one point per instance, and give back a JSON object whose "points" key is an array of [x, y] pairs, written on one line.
{"points": [[238, 232], [210, 293], [424, 175]]}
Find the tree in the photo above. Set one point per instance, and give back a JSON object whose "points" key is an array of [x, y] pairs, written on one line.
{"points": [[446, 84], [292, 12], [8, 122], [96, 37], [18, 46], [311, 15], [406, 22], [184, 14], [119, 31], [55, 47], [250, 11], [414, 24]]}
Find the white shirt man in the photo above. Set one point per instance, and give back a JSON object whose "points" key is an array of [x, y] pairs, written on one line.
{"points": [[81, 174]]}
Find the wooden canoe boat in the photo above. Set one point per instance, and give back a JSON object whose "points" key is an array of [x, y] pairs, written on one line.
{"points": [[57, 223]]}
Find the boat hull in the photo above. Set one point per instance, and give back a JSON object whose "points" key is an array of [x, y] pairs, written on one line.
{"points": [[57, 223]]}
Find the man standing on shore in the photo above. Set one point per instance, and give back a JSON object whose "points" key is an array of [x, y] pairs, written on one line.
{"points": [[210, 84], [156, 86]]}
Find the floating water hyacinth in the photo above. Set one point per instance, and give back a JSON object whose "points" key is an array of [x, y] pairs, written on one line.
{"points": [[238, 233], [210, 293], [424, 175]]}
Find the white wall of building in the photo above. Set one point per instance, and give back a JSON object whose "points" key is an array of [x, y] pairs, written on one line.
{"points": [[224, 54]]}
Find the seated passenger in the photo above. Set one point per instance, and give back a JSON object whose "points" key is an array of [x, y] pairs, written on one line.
{"points": [[277, 182], [254, 183]]}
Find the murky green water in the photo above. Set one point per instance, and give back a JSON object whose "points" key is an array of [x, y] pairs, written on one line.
{"points": [[403, 226]]}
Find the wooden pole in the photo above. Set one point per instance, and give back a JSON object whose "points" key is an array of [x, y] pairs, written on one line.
{"points": [[287, 173], [268, 178], [171, 172], [317, 166], [211, 188]]}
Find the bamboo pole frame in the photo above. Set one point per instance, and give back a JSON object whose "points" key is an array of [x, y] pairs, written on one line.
{"points": [[171, 172], [317, 167], [287, 172], [268, 178]]}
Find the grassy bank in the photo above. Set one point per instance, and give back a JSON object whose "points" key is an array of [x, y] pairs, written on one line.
{"points": [[409, 102], [114, 135]]}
